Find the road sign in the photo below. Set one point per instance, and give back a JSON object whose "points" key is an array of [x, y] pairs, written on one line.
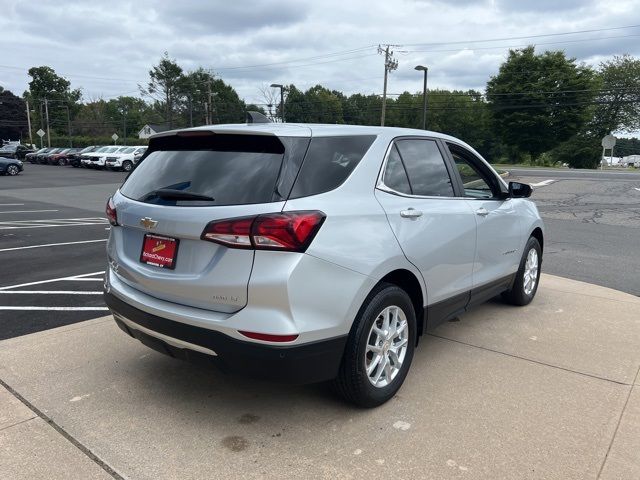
{"points": [[114, 137], [40, 133], [608, 141]]}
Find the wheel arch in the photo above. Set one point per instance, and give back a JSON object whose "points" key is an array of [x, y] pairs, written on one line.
{"points": [[410, 283], [538, 235]]}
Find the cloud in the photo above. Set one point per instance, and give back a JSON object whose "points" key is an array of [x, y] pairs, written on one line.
{"points": [[107, 48]]}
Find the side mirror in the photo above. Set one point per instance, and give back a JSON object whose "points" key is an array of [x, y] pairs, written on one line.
{"points": [[519, 190]]}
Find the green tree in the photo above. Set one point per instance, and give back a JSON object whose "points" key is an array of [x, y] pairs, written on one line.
{"points": [[618, 97], [539, 101], [13, 117], [165, 86], [47, 86]]}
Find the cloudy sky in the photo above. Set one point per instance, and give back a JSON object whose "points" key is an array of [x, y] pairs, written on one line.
{"points": [[107, 48]]}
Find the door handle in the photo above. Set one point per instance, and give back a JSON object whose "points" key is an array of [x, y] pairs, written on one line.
{"points": [[410, 213], [483, 212]]}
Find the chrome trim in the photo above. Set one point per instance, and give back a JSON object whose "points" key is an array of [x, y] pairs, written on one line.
{"points": [[170, 340]]}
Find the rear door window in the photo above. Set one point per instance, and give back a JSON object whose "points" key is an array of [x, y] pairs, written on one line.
{"points": [[222, 169], [427, 172], [328, 163]]}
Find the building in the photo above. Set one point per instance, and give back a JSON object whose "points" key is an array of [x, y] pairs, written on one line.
{"points": [[151, 129]]}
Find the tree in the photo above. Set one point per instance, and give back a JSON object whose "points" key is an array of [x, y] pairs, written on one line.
{"points": [[618, 97], [13, 117], [539, 101], [165, 84], [46, 85]]}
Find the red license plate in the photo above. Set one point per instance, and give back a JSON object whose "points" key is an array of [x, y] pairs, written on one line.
{"points": [[159, 251]]}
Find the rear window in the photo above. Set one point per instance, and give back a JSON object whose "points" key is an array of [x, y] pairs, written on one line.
{"points": [[328, 163], [226, 169]]}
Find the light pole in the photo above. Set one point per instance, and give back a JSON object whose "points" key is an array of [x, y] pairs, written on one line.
{"points": [[424, 96], [281, 87]]}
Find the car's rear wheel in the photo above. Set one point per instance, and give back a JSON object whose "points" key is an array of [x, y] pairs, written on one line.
{"points": [[525, 285], [12, 170], [62, 162], [127, 166], [380, 348]]}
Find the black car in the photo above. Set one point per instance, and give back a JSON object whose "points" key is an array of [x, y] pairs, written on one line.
{"points": [[42, 157], [73, 158], [17, 152], [10, 166], [31, 157]]}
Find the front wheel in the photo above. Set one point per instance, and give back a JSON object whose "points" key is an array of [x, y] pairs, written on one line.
{"points": [[525, 285], [12, 170], [127, 166], [380, 348]]}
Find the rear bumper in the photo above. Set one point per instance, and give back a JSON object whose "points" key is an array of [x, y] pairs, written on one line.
{"points": [[296, 364]]}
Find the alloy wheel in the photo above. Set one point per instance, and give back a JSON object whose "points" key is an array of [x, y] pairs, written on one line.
{"points": [[386, 346], [530, 272], [12, 170]]}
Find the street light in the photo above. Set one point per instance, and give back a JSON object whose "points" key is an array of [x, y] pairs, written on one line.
{"points": [[281, 87], [424, 96]]}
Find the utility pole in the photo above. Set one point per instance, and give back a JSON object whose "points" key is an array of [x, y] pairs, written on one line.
{"points": [[46, 109], [124, 123], [209, 104], [29, 125], [390, 64], [69, 125]]}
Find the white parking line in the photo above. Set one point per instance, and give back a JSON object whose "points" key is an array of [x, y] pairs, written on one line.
{"points": [[50, 245], [59, 309], [29, 211], [11, 204], [48, 292], [76, 277], [542, 184], [52, 222]]}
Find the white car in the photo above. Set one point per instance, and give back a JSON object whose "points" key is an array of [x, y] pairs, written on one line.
{"points": [[98, 158], [304, 253], [126, 158]]}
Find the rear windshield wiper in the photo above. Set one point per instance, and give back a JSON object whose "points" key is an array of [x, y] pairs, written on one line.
{"points": [[170, 194]]}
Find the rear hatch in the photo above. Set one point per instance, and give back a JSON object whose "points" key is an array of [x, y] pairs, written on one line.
{"points": [[181, 185]]}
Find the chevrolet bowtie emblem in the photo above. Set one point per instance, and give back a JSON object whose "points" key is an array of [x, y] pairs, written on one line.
{"points": [[148, 223]]}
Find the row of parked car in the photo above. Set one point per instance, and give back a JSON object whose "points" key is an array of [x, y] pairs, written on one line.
{"points": [[96, 156]]}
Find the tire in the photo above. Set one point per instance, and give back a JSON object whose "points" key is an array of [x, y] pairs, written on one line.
{"points": [[522, 292], [353, 383], [127, 166], [13, 170], [62, 162]]}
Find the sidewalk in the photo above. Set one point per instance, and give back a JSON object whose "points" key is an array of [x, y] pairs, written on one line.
{"points": [[549, 391]]}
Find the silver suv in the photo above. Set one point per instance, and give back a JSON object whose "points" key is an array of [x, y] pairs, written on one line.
{"points": [[304, 253]]}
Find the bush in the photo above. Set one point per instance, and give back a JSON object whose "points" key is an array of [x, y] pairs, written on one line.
{"points": [[579, 152]]}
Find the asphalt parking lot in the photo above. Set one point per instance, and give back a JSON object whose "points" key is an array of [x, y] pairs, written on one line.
{"points": [[52, 240]]}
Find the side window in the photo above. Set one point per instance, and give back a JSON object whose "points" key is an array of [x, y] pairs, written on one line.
{"points": [[426, 170], [395, 176], [328, 163], [476, 183]]}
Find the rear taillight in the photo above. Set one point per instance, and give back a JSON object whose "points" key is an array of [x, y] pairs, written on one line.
{"points": [[112, 216], [286, 231]]}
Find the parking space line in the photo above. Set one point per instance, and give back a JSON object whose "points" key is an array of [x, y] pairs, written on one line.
{"points": [[40, 282], [59, 309], [28, 211], [50, 245], [11, 204], [48, 292]]}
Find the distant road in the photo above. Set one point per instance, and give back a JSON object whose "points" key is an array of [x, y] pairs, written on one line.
{"points": [[573, 173]]}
